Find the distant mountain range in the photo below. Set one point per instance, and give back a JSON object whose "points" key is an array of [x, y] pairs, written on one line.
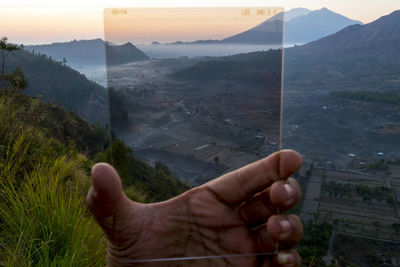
{"points": [[383, 32], [92, 52], [357, 56], [300, 25], [79, 52]]}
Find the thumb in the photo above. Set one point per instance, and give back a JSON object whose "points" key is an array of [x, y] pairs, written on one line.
{"points": [[106, 197]]}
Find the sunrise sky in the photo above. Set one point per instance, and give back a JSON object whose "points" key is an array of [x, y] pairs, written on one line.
{"points": [[46, 21], [144, 25]]}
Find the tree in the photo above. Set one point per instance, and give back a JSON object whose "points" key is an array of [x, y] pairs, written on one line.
{"points": [[64, 61], [6, 49], [18, 80]]}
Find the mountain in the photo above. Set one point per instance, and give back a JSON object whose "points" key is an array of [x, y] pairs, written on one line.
{"points": [[272, 27], [121, 54], [267, 32], [350, 57], [304, 28], [76, 52], [60, 84], [383, 32], [295, 12], [315, 25], [257, 36], [90, 52], [198, 42], [291, 14]]}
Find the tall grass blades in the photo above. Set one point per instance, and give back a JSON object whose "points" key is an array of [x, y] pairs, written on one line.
{"points": [[45, 224], [43, 219]]}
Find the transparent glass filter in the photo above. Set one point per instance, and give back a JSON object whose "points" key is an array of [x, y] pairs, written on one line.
{"points": [[196, 89]]}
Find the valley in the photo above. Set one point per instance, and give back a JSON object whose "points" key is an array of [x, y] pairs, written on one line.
{"points": [[199, 128]]}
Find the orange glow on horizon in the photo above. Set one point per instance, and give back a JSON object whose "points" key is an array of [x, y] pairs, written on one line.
{"points": [[145, 25], [41, 25]]}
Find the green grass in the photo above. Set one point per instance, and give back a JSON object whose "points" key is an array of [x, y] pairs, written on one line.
{"points": [[43, 219], [44, 178], [45, 223]]}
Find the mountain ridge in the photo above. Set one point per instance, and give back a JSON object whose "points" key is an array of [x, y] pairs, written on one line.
{"points": [[295, 12], [349, 57], [323, 22], [363, 35], [300, 29], [94, 51], [60, 84], [125, 53]]}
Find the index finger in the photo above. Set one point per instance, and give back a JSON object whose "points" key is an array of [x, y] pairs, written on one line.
{"points": [[235, 187]]}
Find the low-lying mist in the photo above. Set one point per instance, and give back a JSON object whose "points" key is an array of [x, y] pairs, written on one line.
{"points": [[198, 50]]}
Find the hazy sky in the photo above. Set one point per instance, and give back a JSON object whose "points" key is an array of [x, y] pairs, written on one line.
{"points": [[46, 21], [145, 25]]}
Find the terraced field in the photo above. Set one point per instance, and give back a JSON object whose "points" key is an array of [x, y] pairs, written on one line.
{"points": [[336, 196]]}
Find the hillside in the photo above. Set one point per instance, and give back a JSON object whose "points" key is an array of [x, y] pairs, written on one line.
{"points": [[60, 84], [380, 34], [92, 140], [42, 185], [57, 122], [247, 68], [46, 153], [349, 57]]}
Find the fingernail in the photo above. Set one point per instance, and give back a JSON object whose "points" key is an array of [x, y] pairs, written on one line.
{"points": [[285, 226], [284, 258], [289, 192]]}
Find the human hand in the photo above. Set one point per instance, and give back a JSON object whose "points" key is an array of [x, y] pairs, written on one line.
{"points": [[224, 216]]}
